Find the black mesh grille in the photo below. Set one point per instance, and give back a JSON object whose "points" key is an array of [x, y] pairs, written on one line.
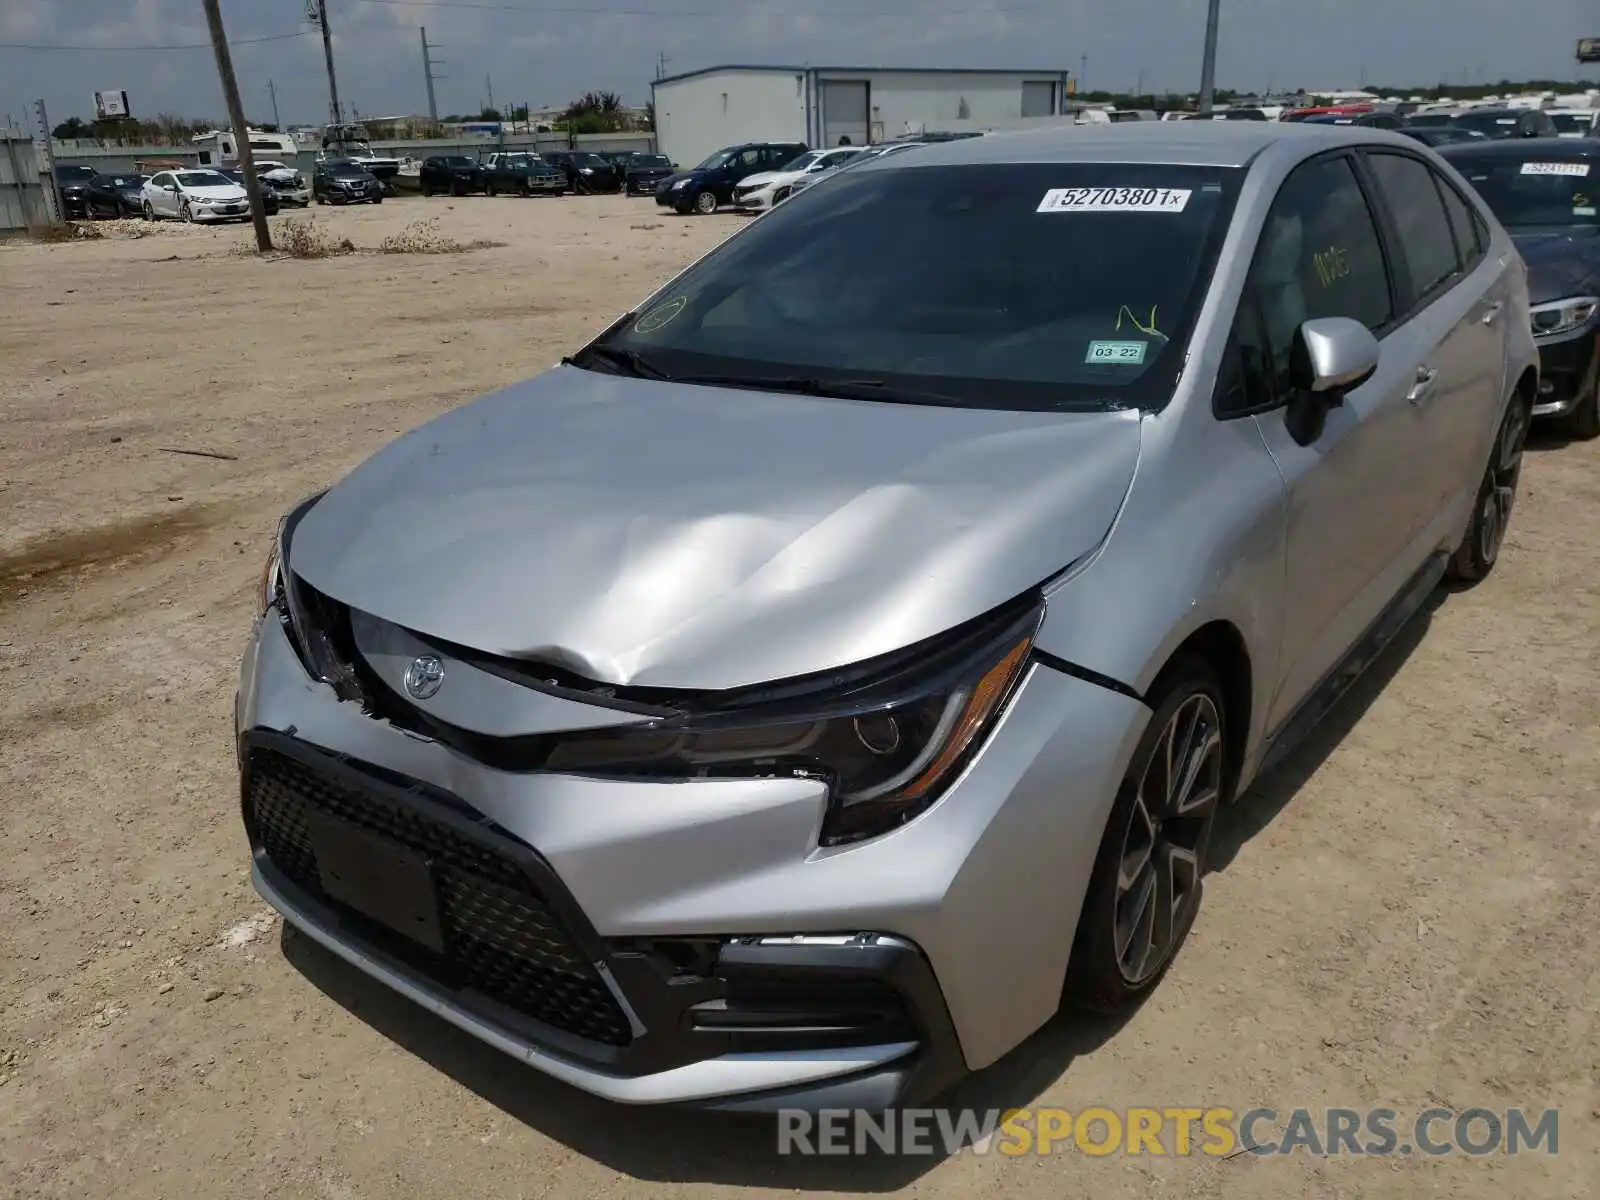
{"points": [[501, 940]]}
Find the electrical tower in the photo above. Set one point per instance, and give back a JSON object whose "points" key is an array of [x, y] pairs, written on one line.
{"points": [[428, 65]]}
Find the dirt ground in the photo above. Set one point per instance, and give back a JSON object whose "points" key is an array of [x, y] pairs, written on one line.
{"points": [[1406, 915]]}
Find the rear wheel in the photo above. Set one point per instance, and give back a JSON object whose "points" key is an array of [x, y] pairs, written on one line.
{"points": [[1497, 495], [705, 202], [1146, 885], [522, 188], [489, 189]]}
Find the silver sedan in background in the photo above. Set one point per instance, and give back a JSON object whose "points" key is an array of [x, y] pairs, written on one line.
{"points": [[842, 658]]}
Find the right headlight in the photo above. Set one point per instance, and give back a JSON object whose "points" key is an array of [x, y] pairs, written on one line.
{"points": [[682, 183], [888, 738], [1563, 316]]}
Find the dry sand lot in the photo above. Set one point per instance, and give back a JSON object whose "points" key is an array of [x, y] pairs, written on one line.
{"points": [[1406, 915]]}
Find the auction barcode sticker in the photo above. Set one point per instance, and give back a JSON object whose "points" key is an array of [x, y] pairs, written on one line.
{"points": [[1114, 199], [1579, 169]]}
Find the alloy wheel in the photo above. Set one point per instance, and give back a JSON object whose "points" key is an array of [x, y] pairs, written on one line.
{"points": [[705, 203], [1505, 471], [1163, 847]]}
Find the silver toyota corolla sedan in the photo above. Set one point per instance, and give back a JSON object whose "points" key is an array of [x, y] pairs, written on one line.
{"points": [[795, 695]]}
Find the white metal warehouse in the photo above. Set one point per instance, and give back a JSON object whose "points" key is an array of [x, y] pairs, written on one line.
{"points": [[698, 112]]}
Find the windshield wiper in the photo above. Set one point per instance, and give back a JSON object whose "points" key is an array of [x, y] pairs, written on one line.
{"points": [[617, 361], [844, 389]]}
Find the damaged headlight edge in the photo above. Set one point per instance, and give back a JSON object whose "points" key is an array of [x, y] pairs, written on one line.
{"points": [[887, 744], [279, 594]]}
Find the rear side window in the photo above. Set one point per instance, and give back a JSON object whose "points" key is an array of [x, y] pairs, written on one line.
{"points": [[1427, 246], [1464, 224]]}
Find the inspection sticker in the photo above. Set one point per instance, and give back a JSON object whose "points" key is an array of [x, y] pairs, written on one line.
{"points": [[1122, 354], [1115, 199], [1578, 169]]}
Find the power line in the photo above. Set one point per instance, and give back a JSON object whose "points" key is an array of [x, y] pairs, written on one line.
{"points": [[251, 41], [590, 11]]}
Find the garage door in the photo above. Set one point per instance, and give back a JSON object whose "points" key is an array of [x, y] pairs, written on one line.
{"points": [[844, 112]]}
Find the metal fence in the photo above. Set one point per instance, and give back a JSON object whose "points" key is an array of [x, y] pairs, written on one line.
{"points": [[22, 185]]}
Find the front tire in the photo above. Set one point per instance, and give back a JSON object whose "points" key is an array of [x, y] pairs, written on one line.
{"points": [[1147, 880], [1497, 495], [149, 211], [705, 202], [187, 213]]}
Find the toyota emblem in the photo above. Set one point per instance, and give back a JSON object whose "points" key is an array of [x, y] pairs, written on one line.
{"points": [[424, 676]]}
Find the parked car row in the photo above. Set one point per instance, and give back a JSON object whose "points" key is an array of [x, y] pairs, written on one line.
{"points": [[554, 172], [197, 194]]}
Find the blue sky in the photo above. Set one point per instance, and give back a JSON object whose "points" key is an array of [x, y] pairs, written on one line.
{"points": [[546, 51]]}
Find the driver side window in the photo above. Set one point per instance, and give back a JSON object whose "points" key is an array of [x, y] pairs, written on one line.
{"points": [[1319, 256]]}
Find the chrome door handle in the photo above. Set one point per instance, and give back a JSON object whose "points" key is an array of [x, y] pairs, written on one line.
{"points": [[1492, 313], [1422, 391]]}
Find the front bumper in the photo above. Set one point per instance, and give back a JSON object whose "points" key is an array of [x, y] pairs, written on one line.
{"points": [[215, 214], [958, 925], [299, 197], [755, 199], [1567, 371]]}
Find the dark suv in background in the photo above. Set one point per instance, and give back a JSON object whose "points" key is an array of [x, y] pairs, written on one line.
{"points": [[72, 185], [585, 172], [643, 172], [708, 186], [453, 173]]}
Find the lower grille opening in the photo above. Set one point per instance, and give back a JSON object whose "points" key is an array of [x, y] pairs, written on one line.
{"points": [[501, 940]]}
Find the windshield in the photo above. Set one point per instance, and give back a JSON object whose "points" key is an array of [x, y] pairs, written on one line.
{"points": [[515, 162], [1434, 120], [1572, 122], [204, 179], [651, 160], [74, 174], [1495, 124], [458, 161], [346, 171], [1534, 193], [589, 160], [801, 163], [716, 160], [1024, 286]]}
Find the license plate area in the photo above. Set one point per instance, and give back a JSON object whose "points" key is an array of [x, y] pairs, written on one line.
{"points": [[378, 877]]}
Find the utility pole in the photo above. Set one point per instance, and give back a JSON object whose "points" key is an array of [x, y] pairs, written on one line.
{"points": [[1208, 65], [489, 83], [54, 213], [427, 71], [273, 92], [661, 64], [241, 132], [327, 53], [1083, 73]]}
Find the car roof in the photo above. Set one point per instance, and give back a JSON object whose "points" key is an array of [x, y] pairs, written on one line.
{"points": [[1175, 143], [1546, 148]]}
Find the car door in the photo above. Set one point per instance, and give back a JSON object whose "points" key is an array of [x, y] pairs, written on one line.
{"points": [[1455, 301], [164, 194], [1351, 499]]}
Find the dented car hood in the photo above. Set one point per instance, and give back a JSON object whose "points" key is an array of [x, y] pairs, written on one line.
{"points": [[649, 533]]}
